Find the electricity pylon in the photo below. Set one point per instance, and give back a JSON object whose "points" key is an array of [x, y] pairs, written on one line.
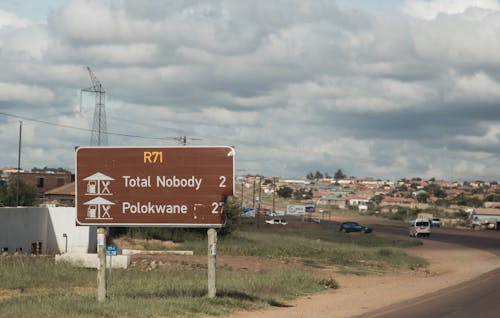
{"points": [[99, 135]]}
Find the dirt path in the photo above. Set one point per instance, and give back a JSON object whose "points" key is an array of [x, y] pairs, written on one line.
{"points": [[449, 265]]}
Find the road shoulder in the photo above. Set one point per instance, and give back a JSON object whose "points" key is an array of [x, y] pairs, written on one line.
{"points": [[449, 265]]}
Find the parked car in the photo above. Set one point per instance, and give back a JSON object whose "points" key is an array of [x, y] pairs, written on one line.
{"points": [[271, 213], [419, 227], [435, 221], [248, 213], [348, 227], [277, 221]]}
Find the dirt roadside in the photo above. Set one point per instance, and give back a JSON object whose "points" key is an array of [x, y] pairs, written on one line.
{"points": [[449, 265]]}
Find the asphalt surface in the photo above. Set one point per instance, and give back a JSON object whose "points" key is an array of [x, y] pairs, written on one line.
{"points": [[479, 297]]}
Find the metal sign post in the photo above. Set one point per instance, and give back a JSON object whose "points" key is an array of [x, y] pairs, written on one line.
{"points": [[111, 250]]}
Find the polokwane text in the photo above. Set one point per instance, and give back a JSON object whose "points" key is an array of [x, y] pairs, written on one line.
{"points": [[150, 208]]}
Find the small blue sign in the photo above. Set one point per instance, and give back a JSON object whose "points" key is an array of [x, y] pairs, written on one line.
{"points": [[112, 250]]}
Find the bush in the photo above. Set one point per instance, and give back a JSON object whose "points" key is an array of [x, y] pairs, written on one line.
{"points": [[166, 234], [8, 193], [231, 215]]}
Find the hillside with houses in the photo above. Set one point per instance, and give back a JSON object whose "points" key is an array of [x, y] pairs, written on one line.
{"points": [[457, 202], [467, 203]]}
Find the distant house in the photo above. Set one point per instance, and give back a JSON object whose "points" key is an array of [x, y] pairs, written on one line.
{"points": [[454, 192], [382, 191], [357, 200], [484, 216], [344, 181], [43, 181], [492, 205], [410, 202], [418, 192], [341, 192], [61, 196], [332, 200]]}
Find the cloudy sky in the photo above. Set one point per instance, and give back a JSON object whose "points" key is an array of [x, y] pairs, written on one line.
{"points": [[386, 89]]}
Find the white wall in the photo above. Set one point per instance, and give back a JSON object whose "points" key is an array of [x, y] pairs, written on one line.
{"points": [[81, 239], [21, 226]]}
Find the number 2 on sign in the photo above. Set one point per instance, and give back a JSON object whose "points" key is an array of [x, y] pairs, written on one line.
{"points": [[222, 180], [215, 207]]}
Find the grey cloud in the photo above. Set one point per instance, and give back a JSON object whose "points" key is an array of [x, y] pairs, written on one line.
{"points": [[295, 86]]}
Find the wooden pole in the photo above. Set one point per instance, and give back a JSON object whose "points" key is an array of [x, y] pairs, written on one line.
{"points": [[101, 264], [212, 253], [18, 162]]}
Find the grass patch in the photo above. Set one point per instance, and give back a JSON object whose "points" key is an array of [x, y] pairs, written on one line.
{"points": [[135, 293], [39, 287], [25, 272], [318, 247]]}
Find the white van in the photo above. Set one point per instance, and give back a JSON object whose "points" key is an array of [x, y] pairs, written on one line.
{"points": [[420, 227]]}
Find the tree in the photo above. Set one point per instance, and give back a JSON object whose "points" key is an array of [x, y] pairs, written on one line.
{"points": [[377, 198], [285, 192], [422, 197], [402, 188], [302, 194], [267, 181], [231, 216], [27, 193], [47, 169], [318, 175], [339, 175], [462, 199], [435, 190], [493, 198]]}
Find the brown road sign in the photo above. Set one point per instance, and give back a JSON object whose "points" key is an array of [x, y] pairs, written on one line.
{"points": [[153, 186]]}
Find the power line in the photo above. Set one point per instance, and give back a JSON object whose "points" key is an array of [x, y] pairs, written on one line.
{"points": [[80, 128], [233, 141]]}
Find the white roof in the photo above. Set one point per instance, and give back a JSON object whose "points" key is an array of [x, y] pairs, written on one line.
{"points": [[99, 201], [98, 177]]}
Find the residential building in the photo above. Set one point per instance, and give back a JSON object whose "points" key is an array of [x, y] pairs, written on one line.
{"points": [[43, 181], [61, 196]]}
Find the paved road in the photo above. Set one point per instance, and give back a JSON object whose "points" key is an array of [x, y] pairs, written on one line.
{"points": [[477, 298]]}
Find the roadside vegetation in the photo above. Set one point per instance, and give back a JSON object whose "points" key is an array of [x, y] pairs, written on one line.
{"points": [[39, 287], [318, 245]]}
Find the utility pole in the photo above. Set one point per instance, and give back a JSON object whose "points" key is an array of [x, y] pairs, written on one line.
{"points": [[242, 185], [253, 195], [274, 193], [99, 137], [18, 162], [258, 206]]}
